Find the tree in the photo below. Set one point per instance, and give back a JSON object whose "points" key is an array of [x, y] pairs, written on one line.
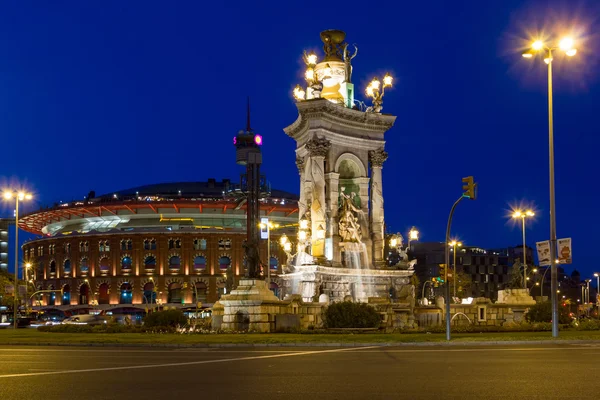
{"points": [[463, 283], [6, 279]]}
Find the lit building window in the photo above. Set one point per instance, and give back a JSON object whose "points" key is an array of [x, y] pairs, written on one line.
{"points": [[199, 244], [199, 263], [174, 263], [126, 294], [67, 267], [126, 263], [224, 263]]}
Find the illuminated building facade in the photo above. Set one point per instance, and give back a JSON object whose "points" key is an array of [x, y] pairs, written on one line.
{"points": [[175, 244]]}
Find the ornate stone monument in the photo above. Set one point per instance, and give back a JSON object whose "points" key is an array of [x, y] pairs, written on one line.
{"points": [[340, 152]]}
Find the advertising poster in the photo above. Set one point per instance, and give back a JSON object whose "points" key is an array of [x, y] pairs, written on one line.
{"points": [[543, 251], [565, 251]]}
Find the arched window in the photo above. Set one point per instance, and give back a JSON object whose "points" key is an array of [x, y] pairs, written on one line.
{"points": [[67, 267], [174, 263], [68, 248], [199, 263], [103, 293], [126, 263], [200, 293], [274, 288], [273, 264], [129, 244], [84, 268], [84, 294], [150, 263], [104, 265], [149, 294], [146, 244], [53, 267], [149, 244], [199, 244], [51, 296], [175, 293], [126, 294], [66, 297], [152, 244], [224, 263]]}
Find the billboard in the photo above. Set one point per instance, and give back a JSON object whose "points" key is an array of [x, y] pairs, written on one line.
{"points": [[543, 251], [565, 251]]}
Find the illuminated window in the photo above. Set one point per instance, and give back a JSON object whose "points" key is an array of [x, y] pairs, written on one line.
{"points": [[150, 263], [199, 244], [224, 263], [199, 263], [67, 247], [174, 263], [126, 294], [126, 263], [200, 292], [84, 268], [126, 244], [67, 267]]}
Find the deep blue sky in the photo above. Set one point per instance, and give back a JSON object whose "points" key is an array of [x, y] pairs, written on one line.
{"points": [[109, 95]]}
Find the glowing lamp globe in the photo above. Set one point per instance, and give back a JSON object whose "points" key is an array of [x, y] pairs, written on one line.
{"points": [[258, 140]]}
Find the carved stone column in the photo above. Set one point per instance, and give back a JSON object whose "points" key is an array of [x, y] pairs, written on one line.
{"points": [[302, 202], [317, 150], [332, 180], [376, 159]]}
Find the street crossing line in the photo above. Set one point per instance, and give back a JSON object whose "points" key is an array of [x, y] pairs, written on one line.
{"points": [[77, 371]]}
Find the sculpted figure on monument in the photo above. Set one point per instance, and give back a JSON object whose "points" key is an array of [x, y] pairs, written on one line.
{"points": [[349, 225], [516, 277], [348, 62], [252, 260]]}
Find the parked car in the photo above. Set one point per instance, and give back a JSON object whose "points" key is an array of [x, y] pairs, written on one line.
{"points": [[85, 319]]}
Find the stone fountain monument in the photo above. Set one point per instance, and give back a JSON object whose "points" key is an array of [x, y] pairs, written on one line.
{"points": [[340, 151]]}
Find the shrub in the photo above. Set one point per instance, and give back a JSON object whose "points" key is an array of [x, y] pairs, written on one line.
{"points": [[588, 325], [172, 318], [351, 315], [542, 312]]}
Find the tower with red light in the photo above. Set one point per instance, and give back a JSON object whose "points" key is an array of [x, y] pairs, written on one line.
{"points": [[247, 152]]}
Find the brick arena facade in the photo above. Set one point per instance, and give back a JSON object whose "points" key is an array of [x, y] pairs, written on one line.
{"points": [[172, 244]]}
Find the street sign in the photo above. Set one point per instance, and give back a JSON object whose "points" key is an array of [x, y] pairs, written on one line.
{"points": [[264, 228], [543, 251], [565, 251]]}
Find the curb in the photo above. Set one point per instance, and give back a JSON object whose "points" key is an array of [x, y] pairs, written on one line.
{"points": [[312, 344]]}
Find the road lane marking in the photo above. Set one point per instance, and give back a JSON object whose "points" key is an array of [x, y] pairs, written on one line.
{"points": [[76, 371], [387, 350]]}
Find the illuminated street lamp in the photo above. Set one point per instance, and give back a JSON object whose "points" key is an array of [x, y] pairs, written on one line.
{"points": [[17, 196], [413, 234], [376, 91], [523, 215], [567, 45], [597, 276], [454, 244]]}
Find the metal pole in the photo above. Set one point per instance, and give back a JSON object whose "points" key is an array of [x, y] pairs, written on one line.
{"points": [[447, 288], [524, 256], [454, 276], [16, 303], [553, 272], [268, 256], [597, 293]]}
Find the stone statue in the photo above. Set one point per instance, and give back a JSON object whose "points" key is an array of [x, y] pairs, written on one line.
{"points": [[229, 280], [253, 263], [349, 226], [348, 61], [516, 278]]}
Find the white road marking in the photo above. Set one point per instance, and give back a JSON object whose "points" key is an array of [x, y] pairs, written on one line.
{"points": [[76, 371], [470, 350]]}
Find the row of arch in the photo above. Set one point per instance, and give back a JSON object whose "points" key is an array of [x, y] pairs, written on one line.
{"points": [[174, 263], [175, 294]]}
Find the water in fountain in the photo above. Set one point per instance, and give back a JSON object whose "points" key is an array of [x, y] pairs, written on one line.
{"points": [[355, 255]]}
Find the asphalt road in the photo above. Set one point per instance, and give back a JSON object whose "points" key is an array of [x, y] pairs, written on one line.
{"points": [[507, 372]]}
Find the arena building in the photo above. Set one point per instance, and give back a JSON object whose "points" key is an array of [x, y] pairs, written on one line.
{"points": [[175, 244]]}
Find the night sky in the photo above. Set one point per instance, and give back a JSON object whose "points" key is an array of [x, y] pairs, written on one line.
{"points": [[110, 95]]}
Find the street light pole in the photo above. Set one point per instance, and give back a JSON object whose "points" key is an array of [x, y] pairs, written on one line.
{"points": [[597, 275], [566, 45], [17, 196]]}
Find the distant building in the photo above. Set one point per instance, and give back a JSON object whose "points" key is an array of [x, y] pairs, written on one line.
{"points": [[489, 269], [4, 224]]}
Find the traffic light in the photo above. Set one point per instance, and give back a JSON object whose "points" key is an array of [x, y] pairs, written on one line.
{"points": [[442, 273], [469, 188]]}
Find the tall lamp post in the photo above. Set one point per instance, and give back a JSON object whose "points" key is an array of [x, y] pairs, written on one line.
{"points": [[567, 46], [597, 275], [524, 215], [454, 244], [17, 196]]}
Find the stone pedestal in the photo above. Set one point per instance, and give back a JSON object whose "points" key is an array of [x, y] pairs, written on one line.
{"points": [[250, 307], [515, 296]]}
